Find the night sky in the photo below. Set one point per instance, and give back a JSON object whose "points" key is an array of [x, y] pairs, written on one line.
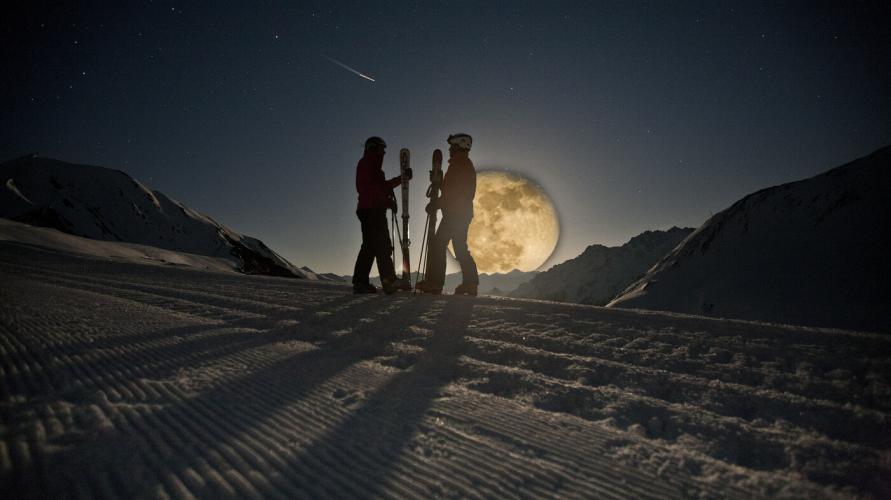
{"points": [[632, 115]]}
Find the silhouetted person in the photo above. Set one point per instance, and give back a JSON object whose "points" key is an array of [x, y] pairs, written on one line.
{"points": [[375, 197], [456, 203]]}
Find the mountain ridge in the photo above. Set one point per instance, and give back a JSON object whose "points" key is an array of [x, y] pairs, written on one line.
{"points": [[108, 204], [599, 273], [805, 252]]}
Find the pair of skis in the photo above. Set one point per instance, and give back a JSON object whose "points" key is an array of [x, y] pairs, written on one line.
{"points": [[433, 194]]}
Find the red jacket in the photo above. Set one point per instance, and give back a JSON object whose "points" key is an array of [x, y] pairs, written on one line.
{"points": [[458, 187], [373, 188]]}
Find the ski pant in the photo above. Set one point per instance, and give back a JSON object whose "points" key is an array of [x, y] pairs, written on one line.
{"points": [[453, 227], [375, 245]]}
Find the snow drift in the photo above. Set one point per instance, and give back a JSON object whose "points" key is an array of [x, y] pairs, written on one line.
{"points": [[105, 204], [600, 273], [807, 252]]}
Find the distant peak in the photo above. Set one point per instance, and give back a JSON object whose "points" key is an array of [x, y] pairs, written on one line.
{"points": [[656, 234]]}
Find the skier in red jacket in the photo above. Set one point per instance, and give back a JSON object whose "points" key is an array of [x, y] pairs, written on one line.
{"points": [[375, 197], [456, 203]]}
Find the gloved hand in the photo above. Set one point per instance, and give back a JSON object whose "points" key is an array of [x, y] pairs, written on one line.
{"points": [[431, 208], [394, 206], [408, 174]]}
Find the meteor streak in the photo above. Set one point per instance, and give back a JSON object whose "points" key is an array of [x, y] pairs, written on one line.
{"points": [[351, 70]]}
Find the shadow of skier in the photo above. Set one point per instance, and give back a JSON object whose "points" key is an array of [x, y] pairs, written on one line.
{"points": [[369, 443], [126, 358], [226, 416]]}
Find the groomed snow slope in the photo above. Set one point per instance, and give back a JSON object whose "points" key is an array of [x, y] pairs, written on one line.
{"points": [[503, 282], [124, 380], [55, 240], [811, 252]]}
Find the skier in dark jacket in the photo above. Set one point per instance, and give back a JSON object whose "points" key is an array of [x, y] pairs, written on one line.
{"points": [[375, 197], [456, 203]]}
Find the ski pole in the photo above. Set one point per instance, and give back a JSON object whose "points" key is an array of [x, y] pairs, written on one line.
{"points": [[398, 235], [423, 249], [393, 235]]}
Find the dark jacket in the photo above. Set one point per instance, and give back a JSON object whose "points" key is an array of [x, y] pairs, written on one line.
{"points": [[373, 188], [458, 187]]}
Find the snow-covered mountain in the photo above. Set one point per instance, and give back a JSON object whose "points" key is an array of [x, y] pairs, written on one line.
{"points": [[105, 204], [810, 252], [600, 273]]}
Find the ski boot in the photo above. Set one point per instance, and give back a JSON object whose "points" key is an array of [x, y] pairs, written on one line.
{"points": [[466, 289], [427, 287], [394, 285], [364, 288]]}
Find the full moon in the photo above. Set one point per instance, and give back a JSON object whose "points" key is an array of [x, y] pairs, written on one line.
{"points": [[515, 224]]}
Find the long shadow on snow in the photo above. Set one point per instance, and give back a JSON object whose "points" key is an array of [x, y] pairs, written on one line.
{"points": [[369, 443], [116, 363], [224, 418], [185, 300]]}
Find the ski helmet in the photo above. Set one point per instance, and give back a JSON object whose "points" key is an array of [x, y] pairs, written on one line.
{"points": [[375, 141], [463, 141]]}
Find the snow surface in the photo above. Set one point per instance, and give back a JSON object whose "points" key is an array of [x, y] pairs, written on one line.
{"points": [[127, 380], [490, 284], [811, 252], [52, 239], [105, 204]]}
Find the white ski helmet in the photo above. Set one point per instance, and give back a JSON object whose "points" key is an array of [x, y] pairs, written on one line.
{"points": [[375, 141], [463, 141]]}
